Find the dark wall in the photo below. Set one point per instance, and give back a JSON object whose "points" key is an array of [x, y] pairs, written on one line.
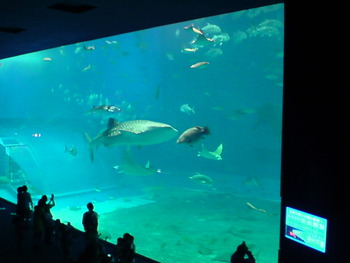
{"points": [[32, 25], [315, 154]]}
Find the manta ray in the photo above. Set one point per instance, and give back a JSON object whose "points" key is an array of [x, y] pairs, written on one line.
{"points": [[215, 155], [135, 132], [129, 166]]}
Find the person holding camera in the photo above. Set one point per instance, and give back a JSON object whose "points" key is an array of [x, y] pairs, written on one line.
{"points": [[242, 255], [48, 218]]}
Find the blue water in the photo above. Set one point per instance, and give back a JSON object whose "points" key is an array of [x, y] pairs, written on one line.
{"points": [[46, 96]]}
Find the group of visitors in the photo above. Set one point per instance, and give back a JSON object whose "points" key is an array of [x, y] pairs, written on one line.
{"points": [[48, 231]]}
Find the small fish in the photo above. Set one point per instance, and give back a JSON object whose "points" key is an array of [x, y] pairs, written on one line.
{"points": [[71, 150], [87, 68], [92, 47], [257, 209], [215, 155], [199, 64], [193, 135], [110, 42], [189, 50], [202, 179], [185, 108], [47, 59], [105, 108]]}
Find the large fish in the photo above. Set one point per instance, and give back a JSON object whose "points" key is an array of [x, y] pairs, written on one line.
{"points": [[202, 179], [193, 135], [136, 132]]}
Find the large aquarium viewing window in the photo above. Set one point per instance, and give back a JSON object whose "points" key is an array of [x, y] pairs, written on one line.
{"points": [[173, 133]]}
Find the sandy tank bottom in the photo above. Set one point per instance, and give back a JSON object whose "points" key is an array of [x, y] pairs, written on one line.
{"points": [[188, 226]]}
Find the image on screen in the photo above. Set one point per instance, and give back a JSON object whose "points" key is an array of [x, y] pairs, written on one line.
{"points": [[307, 229], [172, 132]]}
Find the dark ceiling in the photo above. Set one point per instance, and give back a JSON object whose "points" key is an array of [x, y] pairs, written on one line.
{"points": [[32, 25]]}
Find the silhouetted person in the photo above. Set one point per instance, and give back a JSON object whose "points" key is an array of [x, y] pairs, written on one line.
{"points": [[24, 204], [242, 255], [49, 223], [118, 250], [39, 223], [128, 253], [90, 223]]}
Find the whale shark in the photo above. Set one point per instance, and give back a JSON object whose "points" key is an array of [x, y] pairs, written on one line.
{"points": [[134, 132], [215, 155]]}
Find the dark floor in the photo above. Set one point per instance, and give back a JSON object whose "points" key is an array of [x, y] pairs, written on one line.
{"points": [[10, 252]]}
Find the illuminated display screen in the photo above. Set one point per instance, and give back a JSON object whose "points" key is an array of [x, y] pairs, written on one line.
{"points": [[306, 229]]}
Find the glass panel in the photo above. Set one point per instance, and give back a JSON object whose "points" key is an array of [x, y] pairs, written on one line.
{"points": [[186, 197]]}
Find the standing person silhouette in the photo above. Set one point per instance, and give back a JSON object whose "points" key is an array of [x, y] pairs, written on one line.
{"points": [[49, 223], [90, 223], [24, 204]]}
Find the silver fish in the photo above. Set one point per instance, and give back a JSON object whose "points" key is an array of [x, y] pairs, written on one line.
{"points": [[135, 132]]}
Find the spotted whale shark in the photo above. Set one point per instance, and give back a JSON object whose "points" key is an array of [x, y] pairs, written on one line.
{"points": [[134, 132]]}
